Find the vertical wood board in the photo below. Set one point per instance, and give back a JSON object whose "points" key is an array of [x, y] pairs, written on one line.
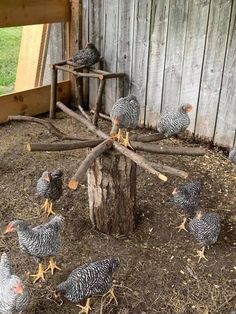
{"points": [[156, 62], [142, 14], [198, 13], [225, 132], [174, 54], [213, 67]]}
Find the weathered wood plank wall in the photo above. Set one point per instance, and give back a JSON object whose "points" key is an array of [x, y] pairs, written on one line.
{"points": [[173, 51]]}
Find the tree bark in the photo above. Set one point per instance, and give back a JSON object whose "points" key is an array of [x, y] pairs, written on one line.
{"points": [[112, 193]]}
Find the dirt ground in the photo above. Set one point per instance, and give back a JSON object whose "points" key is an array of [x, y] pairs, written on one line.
{"points": [[159, 272]]}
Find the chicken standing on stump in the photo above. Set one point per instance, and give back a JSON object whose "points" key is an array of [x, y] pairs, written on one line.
{"points": [[187, 198], [87, 56], [173, 123], [232, 155], [14, 295], [39, 242], [205, 227], [124, 114], [94, 279], [49, 186]]}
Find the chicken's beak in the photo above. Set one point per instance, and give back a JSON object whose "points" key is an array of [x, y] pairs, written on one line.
{"points": [[19, 288], [9, 229], [48, 177], [174, 191], [190, 108]]}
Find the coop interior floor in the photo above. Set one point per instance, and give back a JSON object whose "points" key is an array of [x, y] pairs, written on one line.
{"points": [[158, 273]]}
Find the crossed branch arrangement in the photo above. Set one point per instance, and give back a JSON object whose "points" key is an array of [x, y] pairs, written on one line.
{"points": [[103, 143]]}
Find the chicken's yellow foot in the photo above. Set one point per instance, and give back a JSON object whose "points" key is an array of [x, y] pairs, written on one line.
{"points": [[85, 309], [200, 254], [182, 226], [52, 265], [126, 141], [117, 136], [49, 210], [46, 206], [112, 296], [40, 274]]}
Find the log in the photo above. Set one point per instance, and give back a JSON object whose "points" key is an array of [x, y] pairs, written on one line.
{"points": [[102, 115], [49, 126], [84, 113], [112, 193], [139, 160], [145, 138], [39, 147], [169, 170], [78, 177], [53, 95], [170, 150], [98, 103]]}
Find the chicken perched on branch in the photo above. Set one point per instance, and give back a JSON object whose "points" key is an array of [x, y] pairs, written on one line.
{"points": [[14, 295], [187, 198], [173, 123], [49, 186], [205, 227], [94, 279], [39, 242], [232, 155], [87, 56], [124, 114]]}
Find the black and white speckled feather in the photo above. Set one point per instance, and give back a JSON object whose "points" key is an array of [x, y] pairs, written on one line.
{"points": [[41, 241], [89, 280], [232, 155], [125, 113], [187, 197], [10, 301], [173, 123], [205, 227], [87, 56], [52, 189]]}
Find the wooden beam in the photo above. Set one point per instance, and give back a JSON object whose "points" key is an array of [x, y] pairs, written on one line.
{"points": [[31, 102], [32, 56], [31, 12]]}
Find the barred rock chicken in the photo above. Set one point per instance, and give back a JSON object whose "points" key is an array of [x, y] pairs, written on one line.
{"points": [[14, 295], [39, 242], [124, 114], [87, 56], [173, 123], [187, 198], [205, 227], [90, 280], [49, 186], [232, 155]]}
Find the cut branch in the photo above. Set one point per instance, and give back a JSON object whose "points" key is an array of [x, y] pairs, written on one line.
{"points": [[169, 170], [77, 179], [147, 137], [102, 115], [34, 147], [48, 125], [139, 160], [84, 113], [170, 150]]}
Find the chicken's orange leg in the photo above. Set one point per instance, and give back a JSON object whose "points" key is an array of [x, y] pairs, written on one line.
{"points": [[40, 274], [85, 309], [126, 141], [200, 254], [46, 206], [182, 225], [52, 265], [50, 211], [112, 297]]}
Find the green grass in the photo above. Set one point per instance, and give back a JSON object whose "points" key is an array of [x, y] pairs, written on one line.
{"points": [[9, 51]]}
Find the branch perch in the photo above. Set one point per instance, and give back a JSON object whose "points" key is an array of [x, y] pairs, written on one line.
{"points": [[139, 160], [169, 170], [34, 147], [147, 137], [77, 179], [49, 126]]}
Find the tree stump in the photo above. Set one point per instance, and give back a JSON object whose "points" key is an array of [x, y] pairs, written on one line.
{"points": [[112, 193]]}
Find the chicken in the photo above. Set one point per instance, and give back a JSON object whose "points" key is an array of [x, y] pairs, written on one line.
{"points": [[90, 280], [205, 227], [173, 123], [124, 114], [87, 56], [39, 242], [187, 198], [14, 295], [49, 186], [232, 155]]}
